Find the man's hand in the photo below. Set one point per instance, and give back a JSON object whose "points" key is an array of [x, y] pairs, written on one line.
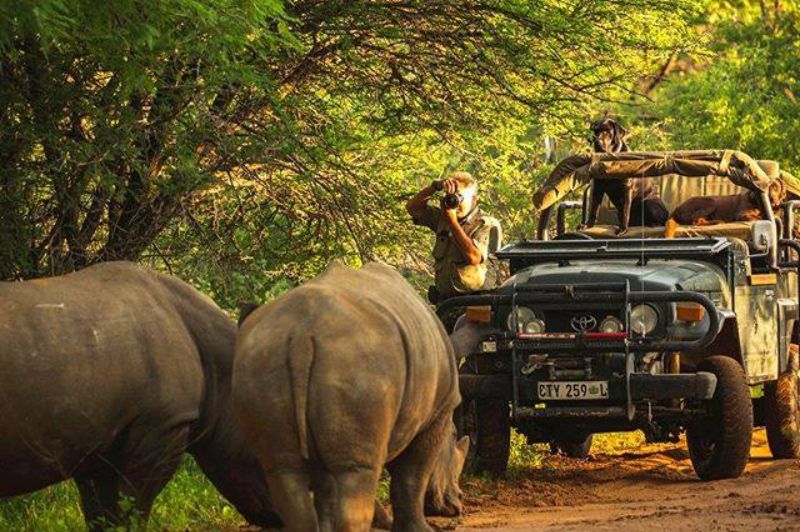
{"points": [[449, 186], [452, 217]]}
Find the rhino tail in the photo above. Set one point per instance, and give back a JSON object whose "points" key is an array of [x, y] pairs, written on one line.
{"points": [[301, 358]]}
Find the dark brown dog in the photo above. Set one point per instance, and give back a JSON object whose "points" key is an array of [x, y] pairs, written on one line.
{"points": [[708, 210], [636, 200]]}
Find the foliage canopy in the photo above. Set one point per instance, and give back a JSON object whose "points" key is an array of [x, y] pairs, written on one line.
{"points": [[233, 138]]}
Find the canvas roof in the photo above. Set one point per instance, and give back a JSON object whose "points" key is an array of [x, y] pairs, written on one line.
{"points": [[577, 171]]}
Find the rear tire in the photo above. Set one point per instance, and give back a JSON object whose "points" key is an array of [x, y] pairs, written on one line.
{"points": [[782, 410], [487, 423], [719, 444], [577, 447]]}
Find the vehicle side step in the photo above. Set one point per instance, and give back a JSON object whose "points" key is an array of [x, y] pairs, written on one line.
{"points": [[700, 385]]}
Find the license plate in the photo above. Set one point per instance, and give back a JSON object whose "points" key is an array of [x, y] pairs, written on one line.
{"points": [[573, 391]]}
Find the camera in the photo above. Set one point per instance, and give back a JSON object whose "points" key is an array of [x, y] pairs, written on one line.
{"points": [[451, 201]]}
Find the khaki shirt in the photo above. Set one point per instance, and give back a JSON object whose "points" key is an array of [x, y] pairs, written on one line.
{"points": [[453, 274]]}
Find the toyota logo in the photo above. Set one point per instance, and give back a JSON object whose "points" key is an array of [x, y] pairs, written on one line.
{"points": [[583, 323]]}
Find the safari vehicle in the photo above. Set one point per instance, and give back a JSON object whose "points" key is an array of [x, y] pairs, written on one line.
{"points": [[597, 332]]}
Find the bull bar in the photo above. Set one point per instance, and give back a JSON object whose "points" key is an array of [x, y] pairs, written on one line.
{"points": [[568, 295], [700, 385]]}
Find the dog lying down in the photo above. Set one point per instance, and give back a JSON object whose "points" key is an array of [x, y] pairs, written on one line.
{"points": [[710, 210]]}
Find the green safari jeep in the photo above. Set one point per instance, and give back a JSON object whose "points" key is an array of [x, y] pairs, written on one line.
{"points": [[597, 332]]}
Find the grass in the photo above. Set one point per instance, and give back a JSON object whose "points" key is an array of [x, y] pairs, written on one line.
{"points": [[190, 501]]}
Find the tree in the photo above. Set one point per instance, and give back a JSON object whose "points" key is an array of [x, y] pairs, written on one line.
{"points": [[218, 119], [745, 96]]}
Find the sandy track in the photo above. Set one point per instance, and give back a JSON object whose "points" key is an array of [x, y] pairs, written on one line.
{"points": [[650, 488]]}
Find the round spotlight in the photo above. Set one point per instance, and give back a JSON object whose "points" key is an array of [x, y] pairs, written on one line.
{"points": [[534, 326], [644, 319], [610, 324], [519, 317]]}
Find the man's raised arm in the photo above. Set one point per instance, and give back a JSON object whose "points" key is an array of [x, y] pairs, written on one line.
{"points": [[416, 205]]}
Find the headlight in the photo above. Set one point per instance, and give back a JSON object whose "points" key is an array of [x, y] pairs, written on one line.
{"points": [[522, 316], [535, 326], [644, 319], [610, 324]]}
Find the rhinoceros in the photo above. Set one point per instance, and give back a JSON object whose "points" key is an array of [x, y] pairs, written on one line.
{"points": [[338, 377], [108, 376]]}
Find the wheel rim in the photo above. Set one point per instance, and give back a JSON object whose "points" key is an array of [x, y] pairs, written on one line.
{"points": [[704, 444], [704, 436]]}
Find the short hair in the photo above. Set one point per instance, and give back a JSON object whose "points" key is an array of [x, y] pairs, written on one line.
{"points": [[465, 180]]}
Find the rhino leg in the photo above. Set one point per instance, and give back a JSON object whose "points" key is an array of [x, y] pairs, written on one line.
{"points": [[144, 464], [345, 498], [381, 519], [324, 486], [411, 472], [99, 493], [289, 489]]}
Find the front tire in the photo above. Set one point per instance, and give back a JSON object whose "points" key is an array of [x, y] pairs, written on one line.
{"points": [[782, 410], [719, 444], [487, 423]]}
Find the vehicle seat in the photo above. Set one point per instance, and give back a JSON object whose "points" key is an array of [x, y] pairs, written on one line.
{"points": [[674, 190]]}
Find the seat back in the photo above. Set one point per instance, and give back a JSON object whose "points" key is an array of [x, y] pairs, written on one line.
{"points": [[674, 190]]}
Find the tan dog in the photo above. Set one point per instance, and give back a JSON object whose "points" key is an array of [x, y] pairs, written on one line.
{"points": [[710, 210]]}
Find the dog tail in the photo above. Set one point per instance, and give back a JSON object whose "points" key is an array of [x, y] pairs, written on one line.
{"points": [[671, 228]]}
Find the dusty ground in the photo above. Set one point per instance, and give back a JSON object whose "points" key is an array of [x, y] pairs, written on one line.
{"points": [[647, 488]]}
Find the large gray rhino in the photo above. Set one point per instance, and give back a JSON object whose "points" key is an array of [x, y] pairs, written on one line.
{"points": [[108, 376], [337, 378]]}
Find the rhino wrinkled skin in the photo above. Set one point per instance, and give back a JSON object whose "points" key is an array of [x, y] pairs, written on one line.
{"points": [[337, 378], [108, 376]]}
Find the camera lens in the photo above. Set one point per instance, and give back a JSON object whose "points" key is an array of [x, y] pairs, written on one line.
{"points": [[451, 201]]}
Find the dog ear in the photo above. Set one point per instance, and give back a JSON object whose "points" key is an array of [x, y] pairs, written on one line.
{"points": [[594, 127], [620, 132], [777, 192]]}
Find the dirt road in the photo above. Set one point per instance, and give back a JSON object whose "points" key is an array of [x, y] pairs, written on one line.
{"points": [[649, 488]]}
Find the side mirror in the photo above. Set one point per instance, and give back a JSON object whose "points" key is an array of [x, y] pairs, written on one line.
{"points": [[763, 232], [789, 215]]}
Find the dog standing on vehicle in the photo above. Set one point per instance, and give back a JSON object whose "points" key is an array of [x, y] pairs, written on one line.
{"points": [[636, 200]]}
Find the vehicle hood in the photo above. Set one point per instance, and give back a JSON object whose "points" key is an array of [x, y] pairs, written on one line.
{"points": [[658, 275]]}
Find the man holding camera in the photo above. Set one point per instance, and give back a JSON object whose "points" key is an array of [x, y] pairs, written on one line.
{"points": [[465, 237]]}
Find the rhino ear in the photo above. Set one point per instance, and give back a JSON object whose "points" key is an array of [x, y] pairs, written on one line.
{"points": [[462, 448], [463, 445], [245, 309]]}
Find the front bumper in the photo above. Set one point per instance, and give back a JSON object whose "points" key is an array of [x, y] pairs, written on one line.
{"points": [[643, 386]]}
